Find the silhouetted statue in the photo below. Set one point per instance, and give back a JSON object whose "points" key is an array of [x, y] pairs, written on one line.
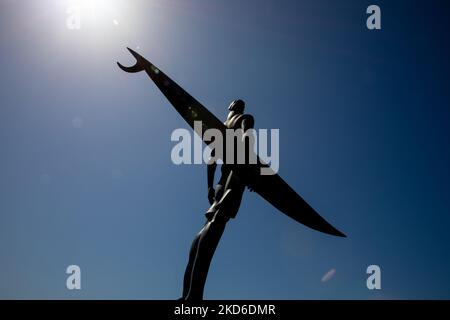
{"points": [[225, 201], [226, 198]]}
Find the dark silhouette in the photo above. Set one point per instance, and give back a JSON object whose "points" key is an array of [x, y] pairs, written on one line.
{"points": [[226, 198], [225, 201]]}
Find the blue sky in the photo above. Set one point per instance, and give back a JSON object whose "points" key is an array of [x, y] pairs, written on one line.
{"points": [[86, 174]]}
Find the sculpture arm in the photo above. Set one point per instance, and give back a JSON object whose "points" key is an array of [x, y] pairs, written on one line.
{"points": [[248, 122], [211, 169]]}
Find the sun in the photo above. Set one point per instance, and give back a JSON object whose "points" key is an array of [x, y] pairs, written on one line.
{"points": [[97, 12]]}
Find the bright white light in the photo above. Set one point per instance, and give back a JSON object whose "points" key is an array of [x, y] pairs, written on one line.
{"points": [[98, 12], [327, 276]]}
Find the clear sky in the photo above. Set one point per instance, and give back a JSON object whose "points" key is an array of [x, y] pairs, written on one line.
{"points": [[86, 174]]}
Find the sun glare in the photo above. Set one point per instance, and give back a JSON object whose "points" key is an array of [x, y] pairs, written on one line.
{"points": [[97, 12]]}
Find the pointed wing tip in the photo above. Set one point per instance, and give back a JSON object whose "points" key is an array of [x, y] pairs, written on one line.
{"points": [[135, 54], [121, 66], [337, 233], [138, 66], [131, 50], [326, 228]]}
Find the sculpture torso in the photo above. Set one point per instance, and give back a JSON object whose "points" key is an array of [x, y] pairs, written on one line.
{"points": [[234, 121]]}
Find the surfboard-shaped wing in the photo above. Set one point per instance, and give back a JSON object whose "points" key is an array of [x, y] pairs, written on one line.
{"points": [[271, 187]]}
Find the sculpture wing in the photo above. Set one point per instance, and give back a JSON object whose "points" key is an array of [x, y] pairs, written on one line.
{"points": [[271, 187], [187, 106], [278, 193]]}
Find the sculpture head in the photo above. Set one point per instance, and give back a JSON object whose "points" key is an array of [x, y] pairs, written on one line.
{"points": [[237, 106]]}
